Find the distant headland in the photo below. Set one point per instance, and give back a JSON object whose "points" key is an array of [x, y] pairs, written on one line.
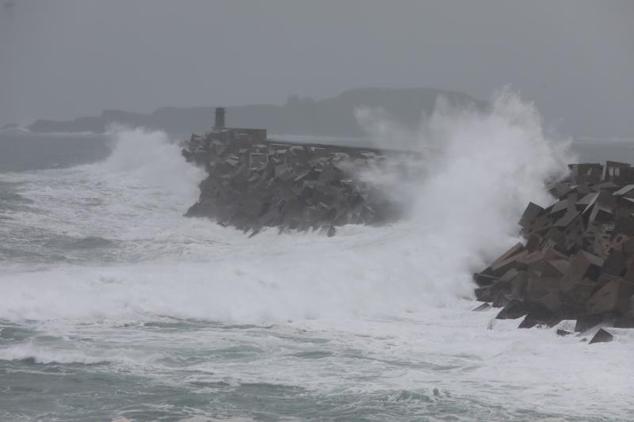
{"points": [[334, 116]]}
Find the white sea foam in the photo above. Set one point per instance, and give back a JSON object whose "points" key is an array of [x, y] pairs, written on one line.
{"points": [[388, 307], [480, 170], [44, 355]]}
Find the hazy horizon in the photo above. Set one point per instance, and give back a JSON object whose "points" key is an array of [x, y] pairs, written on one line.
{"points": [[69, 58]]}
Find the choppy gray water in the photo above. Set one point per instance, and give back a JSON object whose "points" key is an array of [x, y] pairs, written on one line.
{"points": [[113, 305]]}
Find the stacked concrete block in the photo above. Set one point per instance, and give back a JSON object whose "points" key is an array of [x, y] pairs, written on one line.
{"points": [[577, 260], [254, 184]]}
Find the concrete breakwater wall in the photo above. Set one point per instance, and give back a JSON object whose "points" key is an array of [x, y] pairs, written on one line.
{"points": [[577, 261], [254, 183]]}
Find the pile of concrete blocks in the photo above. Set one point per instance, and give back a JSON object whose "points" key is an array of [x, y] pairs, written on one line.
{"points": [[577, 260], [254, 184]]}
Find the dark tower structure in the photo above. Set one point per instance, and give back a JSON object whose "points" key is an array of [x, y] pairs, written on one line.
{"points": [[220, 118]]}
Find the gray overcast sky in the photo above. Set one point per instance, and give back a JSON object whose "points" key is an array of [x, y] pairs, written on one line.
{"points": [[65, 58]]}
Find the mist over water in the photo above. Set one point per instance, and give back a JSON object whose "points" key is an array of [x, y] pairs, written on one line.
{"points": [[104, 277], [480, 170]]}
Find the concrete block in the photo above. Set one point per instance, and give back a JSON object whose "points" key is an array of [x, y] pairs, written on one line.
{"points": [[615, 264], [586, 173], [586, 322], [602, 336], [513, 310], [613, 297], [512, 258], [482, 307], [624, 225], [531, 212], [627, 190]]}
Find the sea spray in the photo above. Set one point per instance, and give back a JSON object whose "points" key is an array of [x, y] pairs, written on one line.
{"points": [[151, 158], [129, 319], [480, 170]]}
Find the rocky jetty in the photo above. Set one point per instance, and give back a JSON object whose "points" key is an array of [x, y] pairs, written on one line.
{"points": [[577, 261], [255, 182]]}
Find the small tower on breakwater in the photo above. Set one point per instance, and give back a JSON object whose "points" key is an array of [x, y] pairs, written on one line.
{"points": [[219, 123], [221, 131]]}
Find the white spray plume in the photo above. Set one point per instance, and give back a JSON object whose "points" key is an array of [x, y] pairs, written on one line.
{"points": [[481, 169], [151, 158], [478, 171]]}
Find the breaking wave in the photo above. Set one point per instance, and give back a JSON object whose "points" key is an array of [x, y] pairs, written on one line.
{"points": [[480, 169], [28, 352]]}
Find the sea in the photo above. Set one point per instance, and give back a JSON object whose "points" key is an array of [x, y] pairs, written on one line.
{"points": [[116, 307]]}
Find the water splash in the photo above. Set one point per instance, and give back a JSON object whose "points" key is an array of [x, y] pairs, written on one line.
{"points": [[480, 170]]}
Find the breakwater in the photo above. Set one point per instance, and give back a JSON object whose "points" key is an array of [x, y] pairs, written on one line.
{"points": [[577, 260], [255, 183]]}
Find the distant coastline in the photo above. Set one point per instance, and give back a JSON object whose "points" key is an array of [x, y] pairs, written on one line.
{"points": [[333, 117]]}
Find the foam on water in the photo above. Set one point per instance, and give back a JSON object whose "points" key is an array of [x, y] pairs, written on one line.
{"points": [[482, 170], [377, 316]]}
